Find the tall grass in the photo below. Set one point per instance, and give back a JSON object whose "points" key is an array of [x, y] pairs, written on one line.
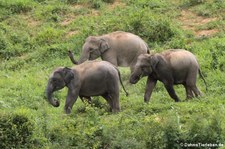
{"points": [[34, 40]]}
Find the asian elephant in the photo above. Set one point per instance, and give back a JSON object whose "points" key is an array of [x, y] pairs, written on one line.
{"points": [[119, 48], [171, 67], [91, 78]]}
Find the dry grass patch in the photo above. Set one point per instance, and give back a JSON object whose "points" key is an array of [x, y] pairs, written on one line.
{"points": [[191, 21]]}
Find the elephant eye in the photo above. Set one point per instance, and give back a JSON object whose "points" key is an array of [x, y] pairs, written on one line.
{"points": [[91, 50], [142, 67], [54, 80]]}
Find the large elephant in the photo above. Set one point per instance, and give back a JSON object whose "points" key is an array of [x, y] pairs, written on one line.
{"points": [[171, 67], [119, 48], [91, 78]]}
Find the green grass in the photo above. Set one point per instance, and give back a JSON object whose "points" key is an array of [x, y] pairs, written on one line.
{"points": [[34, 40]]}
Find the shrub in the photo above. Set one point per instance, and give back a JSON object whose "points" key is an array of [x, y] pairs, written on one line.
{"points": [[200, 128], [189, 3], [148, 25], [109, 1], [18, 6], [13, 42], [52, 12], [15, 130], [72, 1], [48, 35], [96, 4], [150, 4], [37, 43], [152, 27], [210, 8]]}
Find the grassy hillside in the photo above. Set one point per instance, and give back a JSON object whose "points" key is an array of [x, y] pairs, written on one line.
{"points": [[34, 38]]}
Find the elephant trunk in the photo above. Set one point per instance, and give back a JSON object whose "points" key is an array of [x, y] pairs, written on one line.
{"points": [[135, 76], [84, 56], [49, 92], [71, 56]]}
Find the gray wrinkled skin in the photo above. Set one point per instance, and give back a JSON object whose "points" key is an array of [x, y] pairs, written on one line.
{"points": [[91, 78], [171, 67], [119, 48]]}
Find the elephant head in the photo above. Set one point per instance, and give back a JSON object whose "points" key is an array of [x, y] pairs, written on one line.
{"points": [[60, 78], [93, 48], [145, 66]]}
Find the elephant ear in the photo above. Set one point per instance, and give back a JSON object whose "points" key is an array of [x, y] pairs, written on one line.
{"points": [[68, 75], [154, 60], [104, 46]]}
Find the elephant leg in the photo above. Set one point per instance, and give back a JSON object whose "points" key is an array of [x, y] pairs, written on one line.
{"points": [[191, 82], [70, 100], [113, 101], [149, 88], [189, 92], [88, 98], [132, 67], [171, 92], [108, 99], [196, 91], [82, 98]]}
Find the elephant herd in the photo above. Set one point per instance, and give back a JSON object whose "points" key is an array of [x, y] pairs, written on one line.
{"points": [[90, 77]]}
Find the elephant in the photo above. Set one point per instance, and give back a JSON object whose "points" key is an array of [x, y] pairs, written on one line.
{"points": [[119, 48], [171, 67], [91, 78]]}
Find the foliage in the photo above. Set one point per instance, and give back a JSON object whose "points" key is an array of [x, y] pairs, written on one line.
{"points": [[206, 7], [16, 130], [17, 6], [34, 38]]}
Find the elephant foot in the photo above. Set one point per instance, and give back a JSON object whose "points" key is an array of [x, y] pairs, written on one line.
{"points": [[177, 100], [115, 110], [146, 100], [68, 110]]}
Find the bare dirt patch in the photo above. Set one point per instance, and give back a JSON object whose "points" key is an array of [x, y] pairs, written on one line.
{"points": [[93, 12], [191, 21], [116, 3], [30, 21], [203, 33], [71, 33], [66, 22]]}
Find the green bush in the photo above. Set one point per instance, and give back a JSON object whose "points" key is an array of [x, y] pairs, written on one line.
{"points": [[109, 1], [201, 127], [4, 45], [153, 4], [189, 3], [51, 11], [13, 42], [96, 4], [18, 6], [48, 35], [205, 7], [152, 27], [34, 39], [15, 130]]}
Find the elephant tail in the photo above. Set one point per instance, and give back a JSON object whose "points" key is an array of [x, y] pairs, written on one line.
{"points": [[127, 94], [201, 75], [71, 56], [148, 50]]}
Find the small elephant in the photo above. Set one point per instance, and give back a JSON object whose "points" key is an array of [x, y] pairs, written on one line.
{"points": [[119, 48], [91, 78], [171, 67]]}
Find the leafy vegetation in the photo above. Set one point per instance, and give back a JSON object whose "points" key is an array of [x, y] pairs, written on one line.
{"points": [[34, 38]]}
